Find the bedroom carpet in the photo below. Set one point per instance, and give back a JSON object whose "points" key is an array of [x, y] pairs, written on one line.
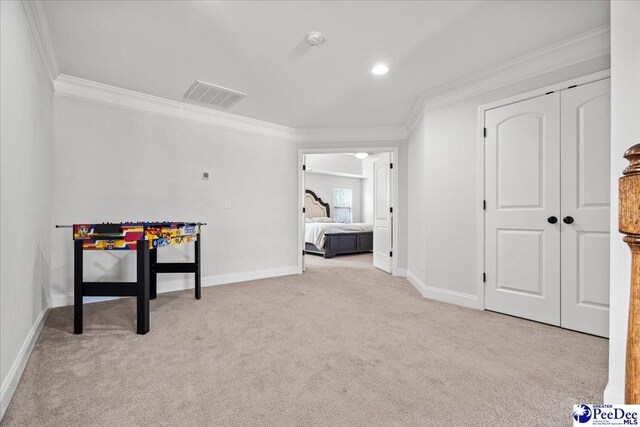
{"points": [[341, 345], [350, 260]]}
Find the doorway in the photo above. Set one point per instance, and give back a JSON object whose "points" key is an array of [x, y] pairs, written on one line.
{"points": [[546, 207], [348, 204]]}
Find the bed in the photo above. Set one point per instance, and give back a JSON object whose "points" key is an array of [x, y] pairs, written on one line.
{"points": [[328, 238]]}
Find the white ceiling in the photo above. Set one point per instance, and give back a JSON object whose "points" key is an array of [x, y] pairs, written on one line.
{"points": [[161, 48]]}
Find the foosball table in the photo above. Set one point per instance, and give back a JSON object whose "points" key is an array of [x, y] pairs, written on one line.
{"points": [[143, 237]]}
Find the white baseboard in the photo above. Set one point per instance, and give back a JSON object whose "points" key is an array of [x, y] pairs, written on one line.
{"points": [[61, 300], [401, 272], [17, 368], [444, 295], [613, 395]]}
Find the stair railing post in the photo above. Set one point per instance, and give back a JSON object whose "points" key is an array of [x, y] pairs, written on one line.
{"points": [[629, 224]]}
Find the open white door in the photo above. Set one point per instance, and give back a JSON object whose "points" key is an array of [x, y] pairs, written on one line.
{"points": [[304, 189], [382, 215]]}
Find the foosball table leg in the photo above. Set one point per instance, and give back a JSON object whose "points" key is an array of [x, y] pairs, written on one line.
{"points": [[77, 286], [153, 274], [143, 286], [197, 262]]}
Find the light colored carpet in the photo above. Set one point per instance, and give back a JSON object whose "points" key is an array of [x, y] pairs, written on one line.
{"points": [[338, 346], [363, 260]]}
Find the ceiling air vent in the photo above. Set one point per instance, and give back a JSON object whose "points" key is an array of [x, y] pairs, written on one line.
{"points": [[210, 95]]}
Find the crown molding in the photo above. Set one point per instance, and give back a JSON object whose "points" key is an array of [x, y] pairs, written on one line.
{"points": [[40, 30], [588, 45], [88, 90]]}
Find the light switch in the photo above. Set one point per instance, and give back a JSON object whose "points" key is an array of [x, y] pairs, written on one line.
{"points": [[227, 203]]}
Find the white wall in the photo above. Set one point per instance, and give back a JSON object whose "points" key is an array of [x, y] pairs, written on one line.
{"points": [[443, 173], [625, 132], [416, 205], [340, 162], [25, 196], [322, 185], [114, 164]]}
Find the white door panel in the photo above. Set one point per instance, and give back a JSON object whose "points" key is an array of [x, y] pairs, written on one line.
{"points": [[522, 249], [585, 197], [382, 221], [304, 189], [519, 155]]}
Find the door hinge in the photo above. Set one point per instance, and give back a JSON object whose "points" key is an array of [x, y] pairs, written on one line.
{"points": [[304, 210], [304, 252], [304, 167], [484, 205], [484, 277], [391, 253], [484, 132], [391, 209], [390, 165]]}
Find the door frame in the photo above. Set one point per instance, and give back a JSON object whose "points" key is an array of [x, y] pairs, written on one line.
{"points": [[395, 191], [480, 166]]}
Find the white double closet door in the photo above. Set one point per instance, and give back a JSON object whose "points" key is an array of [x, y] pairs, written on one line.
{"points": [[547, 175]]}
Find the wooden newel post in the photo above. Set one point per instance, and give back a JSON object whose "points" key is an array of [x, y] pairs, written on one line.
{"points": [[629, 224]]}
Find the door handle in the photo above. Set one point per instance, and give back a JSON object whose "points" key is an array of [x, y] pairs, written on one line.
{"points": [[567, 220], [552, 220]]}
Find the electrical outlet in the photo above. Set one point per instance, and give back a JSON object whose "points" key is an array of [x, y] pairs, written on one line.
{"points": [[205, 175]]}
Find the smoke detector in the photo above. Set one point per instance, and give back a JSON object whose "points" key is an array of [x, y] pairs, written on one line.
{"points": [[315, 38]]}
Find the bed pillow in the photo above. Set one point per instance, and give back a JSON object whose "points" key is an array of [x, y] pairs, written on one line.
{"points": [[321, 219]]}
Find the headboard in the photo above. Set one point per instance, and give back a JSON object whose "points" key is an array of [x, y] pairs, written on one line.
{"points": [[314, 206]]}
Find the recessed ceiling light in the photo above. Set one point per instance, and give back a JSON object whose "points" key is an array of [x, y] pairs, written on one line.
{"points": [[362, 155], [380, 69]]}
